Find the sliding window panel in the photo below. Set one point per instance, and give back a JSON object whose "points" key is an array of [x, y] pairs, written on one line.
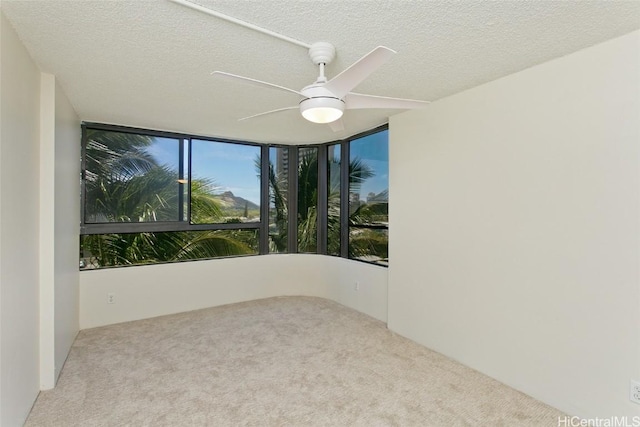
{"points": [[369, 244], [183, 180], [307, 199], [131, 177], [225, 182], [333, 199], [369, 198], [369, 179], [121, 249], [278, 199]]}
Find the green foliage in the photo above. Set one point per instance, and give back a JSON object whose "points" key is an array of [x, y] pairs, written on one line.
{"points": [[308, 201], [205, 207], [116, 165], [370, 213], [368, 244], [117, 155], [278, 191], [148, 248], [151, 196]]}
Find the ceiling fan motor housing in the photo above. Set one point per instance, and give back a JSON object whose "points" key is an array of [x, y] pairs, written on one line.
{"points": [[320, 105]]}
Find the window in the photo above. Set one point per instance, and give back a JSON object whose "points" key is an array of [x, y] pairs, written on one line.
{"points": [[369, 198], [145, 202], [155, 197]]}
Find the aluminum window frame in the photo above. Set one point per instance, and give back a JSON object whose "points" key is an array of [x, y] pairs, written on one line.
{"points": [[183, 224]]}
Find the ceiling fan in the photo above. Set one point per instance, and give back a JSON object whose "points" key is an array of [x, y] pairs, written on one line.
{"points": [[325, 101]]}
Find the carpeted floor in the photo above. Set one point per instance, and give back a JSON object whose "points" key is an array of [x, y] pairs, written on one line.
{"points": [[292, 361]]}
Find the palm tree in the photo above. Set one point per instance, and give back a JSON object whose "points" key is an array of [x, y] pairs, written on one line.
{"points": [[116, 165], [152, 247], [117, 154], [278, 191], [308, 200]]}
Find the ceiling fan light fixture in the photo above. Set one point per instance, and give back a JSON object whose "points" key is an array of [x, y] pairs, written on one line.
{"points": [[322, 109]]}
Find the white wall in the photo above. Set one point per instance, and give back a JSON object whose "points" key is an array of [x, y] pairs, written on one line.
{"points": [[154, 290], [515, 228], [47, 230], [355, 284], [66, 227], [59, 228], [19, 215]]}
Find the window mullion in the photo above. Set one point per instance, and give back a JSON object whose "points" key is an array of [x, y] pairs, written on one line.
{"points": [[322, 200], [189, 178], [181, 179], [292, 232], [83, 174], [264, 200], [344, 199]]}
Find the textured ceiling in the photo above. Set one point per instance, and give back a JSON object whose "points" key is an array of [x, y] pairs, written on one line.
{"points": [[148, 63]]}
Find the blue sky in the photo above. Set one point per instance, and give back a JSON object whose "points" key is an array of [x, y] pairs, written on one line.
{"points": [[374, 151], [229, 166], [232, 168]]}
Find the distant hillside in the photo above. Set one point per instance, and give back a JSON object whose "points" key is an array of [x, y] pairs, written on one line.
{"points": [[230, 201], [383, 196]]}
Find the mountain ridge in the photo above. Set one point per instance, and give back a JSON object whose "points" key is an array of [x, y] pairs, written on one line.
{"points": [[231, 201]]}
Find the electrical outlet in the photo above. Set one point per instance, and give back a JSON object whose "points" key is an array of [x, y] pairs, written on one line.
{"points": [[357, 286], [111, 299], [634, 391]]}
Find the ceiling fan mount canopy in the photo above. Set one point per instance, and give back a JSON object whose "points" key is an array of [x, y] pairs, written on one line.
{"points": [[322, 53]]}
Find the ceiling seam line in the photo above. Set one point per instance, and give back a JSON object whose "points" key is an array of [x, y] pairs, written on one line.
{"points": [[240, 22]]}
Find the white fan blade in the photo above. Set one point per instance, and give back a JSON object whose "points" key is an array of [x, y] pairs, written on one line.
{"points": [[253, 81], [337, 125], [354, 101], [342, 84], [269, 112]]}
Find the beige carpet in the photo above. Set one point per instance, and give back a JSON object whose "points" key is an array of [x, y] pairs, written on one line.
{"points": [[291, 361]]}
